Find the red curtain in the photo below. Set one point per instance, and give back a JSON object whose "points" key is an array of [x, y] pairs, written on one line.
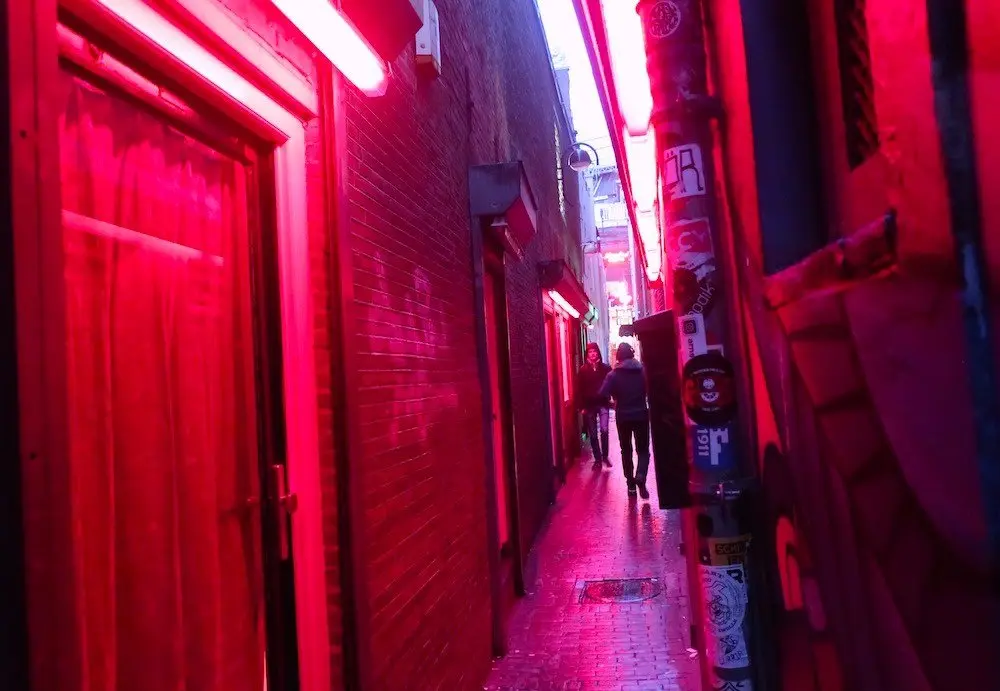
{"points": [[163, 423]]}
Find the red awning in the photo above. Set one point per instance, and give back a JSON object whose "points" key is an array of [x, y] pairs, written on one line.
{"points": [[388, 25], [556, 276]]}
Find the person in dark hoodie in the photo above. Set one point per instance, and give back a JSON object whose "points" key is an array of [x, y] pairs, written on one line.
{"points": [[594, 406], [626, 384]]}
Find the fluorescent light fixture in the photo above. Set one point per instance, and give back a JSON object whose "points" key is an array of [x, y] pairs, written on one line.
{"points": [[649, 231], [640, 153], [564, 304], [627, 46], [335, 37], [189, 52]]}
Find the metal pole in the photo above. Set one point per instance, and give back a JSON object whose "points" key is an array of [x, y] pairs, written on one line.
{"points": [[722, 471], [946, 23]]}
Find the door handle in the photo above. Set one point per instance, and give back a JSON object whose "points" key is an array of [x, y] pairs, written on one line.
{"points": [[283, 505]]}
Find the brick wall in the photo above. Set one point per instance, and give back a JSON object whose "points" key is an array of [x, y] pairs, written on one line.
{"points": [[419, 401], [529, 84]]}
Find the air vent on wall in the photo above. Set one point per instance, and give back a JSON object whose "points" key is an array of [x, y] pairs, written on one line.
{"points": [[857, 84]]}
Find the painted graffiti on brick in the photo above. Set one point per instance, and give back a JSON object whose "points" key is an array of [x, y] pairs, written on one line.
{"points": [[709, 390], [684, 172], [725, 595], [694, 280], [713, 450], [665, 18]]}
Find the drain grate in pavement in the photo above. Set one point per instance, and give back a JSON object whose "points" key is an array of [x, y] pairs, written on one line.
{"points": [[620, 591]]}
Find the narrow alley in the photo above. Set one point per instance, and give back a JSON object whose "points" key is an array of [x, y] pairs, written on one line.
{"points": [[564, 635], [313, 312]]}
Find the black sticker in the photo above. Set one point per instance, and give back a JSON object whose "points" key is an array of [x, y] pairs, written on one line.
{"points": [[709, 390]]}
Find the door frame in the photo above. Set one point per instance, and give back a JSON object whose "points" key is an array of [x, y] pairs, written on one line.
{"points": [[485, 258], [13, 619], [553, 388], [495, 270], [258, 99]]}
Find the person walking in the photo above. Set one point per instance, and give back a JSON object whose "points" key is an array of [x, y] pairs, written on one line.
{"points": [[626, 384], [594, 407]]}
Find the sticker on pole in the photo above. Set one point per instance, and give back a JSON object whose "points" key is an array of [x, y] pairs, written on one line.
{"points": [[684, 172], [709, 390], [664, 19], [694, 341], [713, 451], [689, 245], [727, 551], [724, 590]]}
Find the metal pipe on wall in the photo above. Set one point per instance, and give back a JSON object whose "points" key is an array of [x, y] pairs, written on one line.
{"points": [[949, 45], [723, 473]]}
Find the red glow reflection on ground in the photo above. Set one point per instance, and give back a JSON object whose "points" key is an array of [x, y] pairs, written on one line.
{"points": [[597, 533]]}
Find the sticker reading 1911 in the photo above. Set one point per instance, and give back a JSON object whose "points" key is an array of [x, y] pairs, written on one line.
{"points": [[709, 390], [712, 449]]}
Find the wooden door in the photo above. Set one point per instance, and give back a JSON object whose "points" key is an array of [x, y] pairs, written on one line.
{"points": [[175, 428]]}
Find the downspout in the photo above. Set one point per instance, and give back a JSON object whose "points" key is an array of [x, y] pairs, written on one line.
{"points": [[717, 401], [498, 625], [949, 44]]}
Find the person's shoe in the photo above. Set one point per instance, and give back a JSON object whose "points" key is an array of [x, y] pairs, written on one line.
{"points": [[643, 492], [596, 466], [631, 489], [607, 462]]}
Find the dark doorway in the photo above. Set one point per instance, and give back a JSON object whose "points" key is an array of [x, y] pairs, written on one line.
{"points": [[502, 425]]}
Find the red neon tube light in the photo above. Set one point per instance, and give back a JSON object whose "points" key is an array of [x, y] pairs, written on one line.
{"points": [[628, 64], [564, 304], [335, 37]]}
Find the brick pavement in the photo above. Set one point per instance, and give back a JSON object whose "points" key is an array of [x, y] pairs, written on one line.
{"points": [[597, 532]]}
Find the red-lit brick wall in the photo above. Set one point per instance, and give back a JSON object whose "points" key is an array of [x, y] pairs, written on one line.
{"points": [[870, 387], [419, 401]]}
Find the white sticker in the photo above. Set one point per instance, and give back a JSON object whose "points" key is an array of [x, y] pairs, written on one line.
{"points": [[684, 171], [725, 596], [693, 338]]}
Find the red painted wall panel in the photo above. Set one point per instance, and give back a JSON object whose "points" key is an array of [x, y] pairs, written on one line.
{"points": [[885, 488]]}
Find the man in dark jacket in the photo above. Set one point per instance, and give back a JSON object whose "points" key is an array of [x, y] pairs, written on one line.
{"points": [[626, 384], [594, 406]]}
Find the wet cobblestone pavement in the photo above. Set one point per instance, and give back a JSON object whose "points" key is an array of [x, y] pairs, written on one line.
{"points": [[597, 532]]}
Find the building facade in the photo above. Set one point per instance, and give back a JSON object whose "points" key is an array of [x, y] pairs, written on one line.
{"points": [[627, 291], [290, 363]]}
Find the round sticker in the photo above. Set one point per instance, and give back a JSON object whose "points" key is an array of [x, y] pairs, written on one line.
{"points": [[709, 390], [664, 19]]}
